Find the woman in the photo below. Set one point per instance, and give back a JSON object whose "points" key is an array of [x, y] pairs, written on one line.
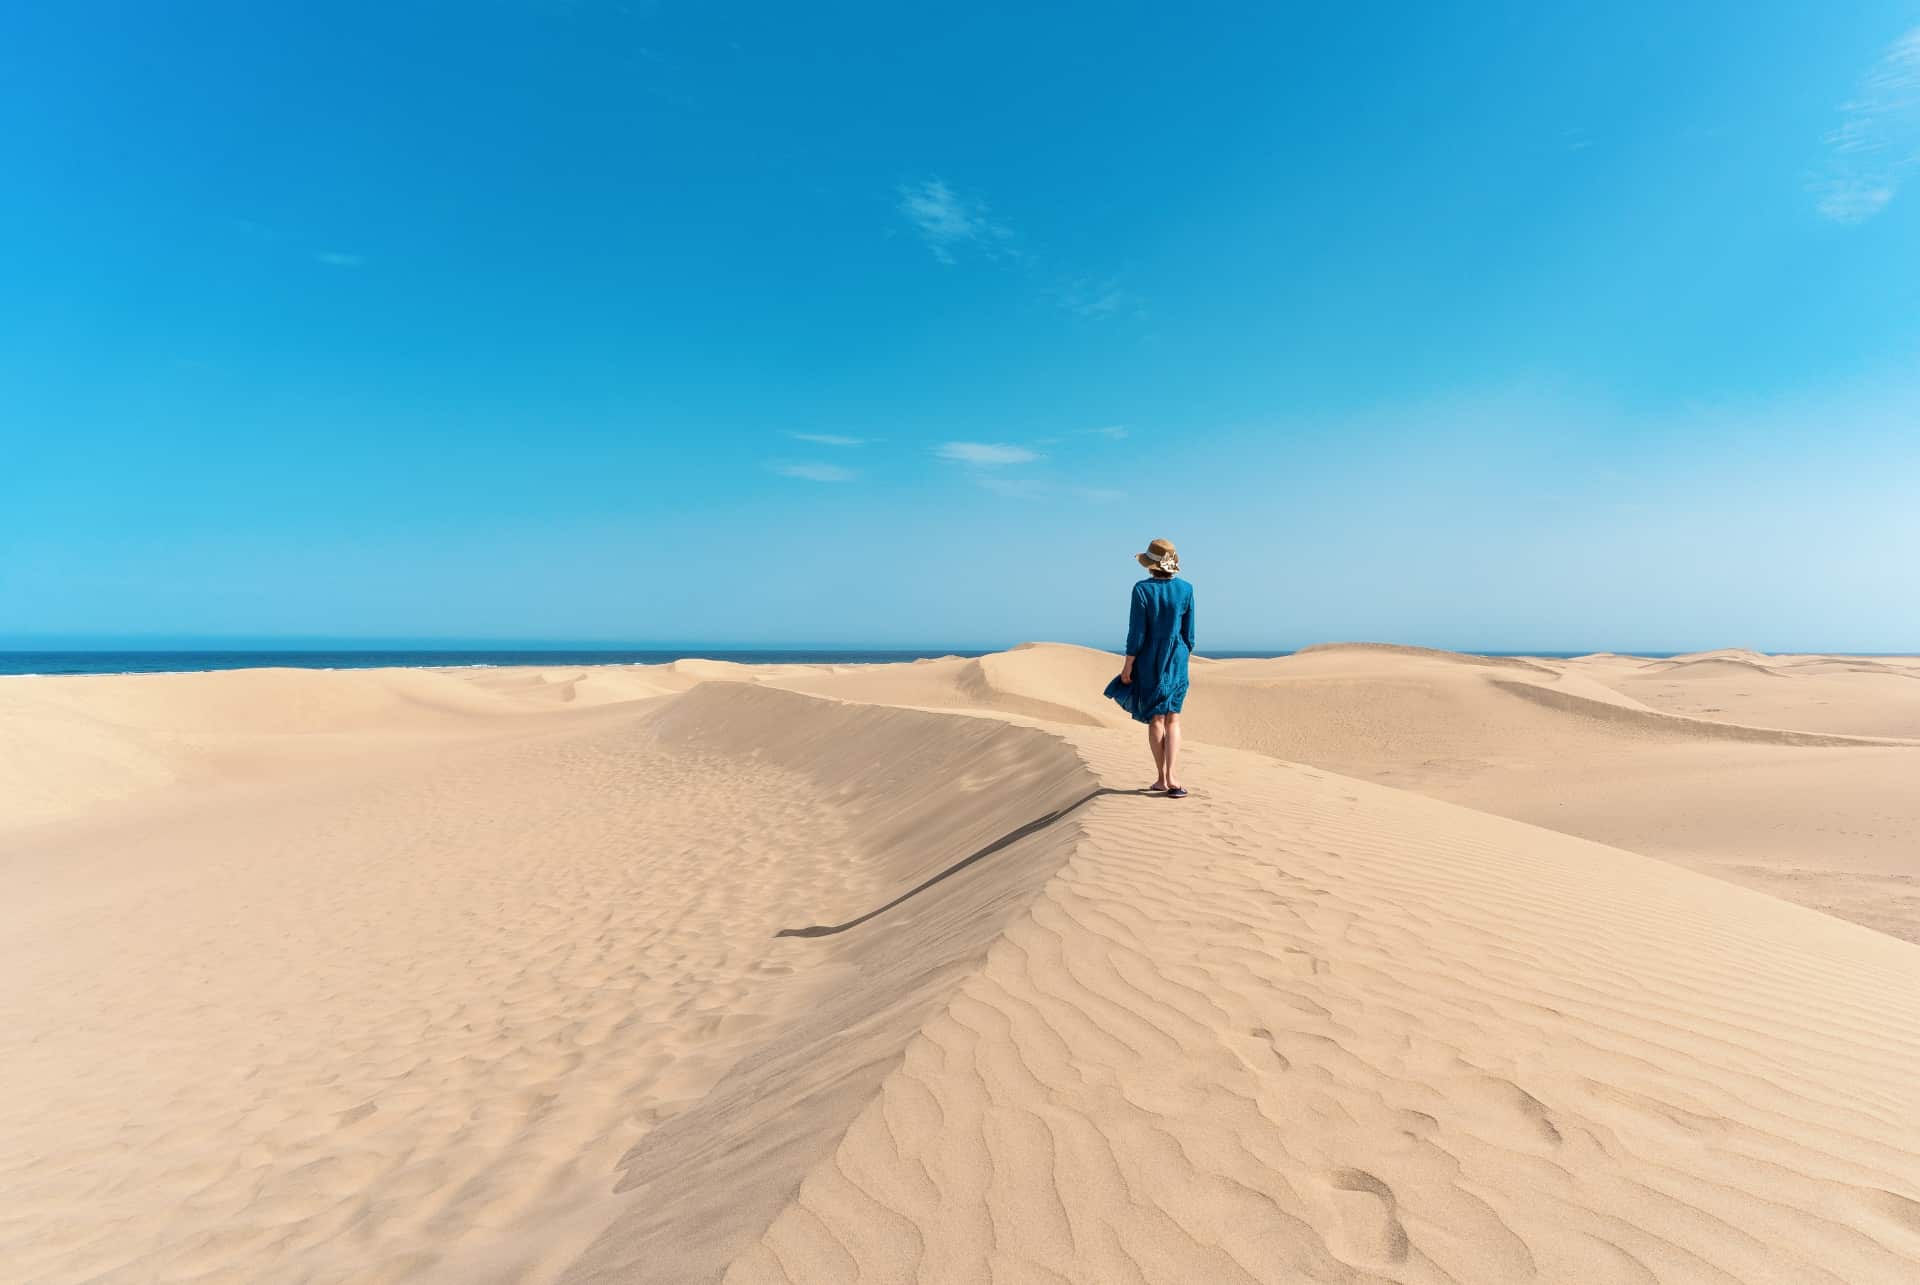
{"points": [[1152, 685]]}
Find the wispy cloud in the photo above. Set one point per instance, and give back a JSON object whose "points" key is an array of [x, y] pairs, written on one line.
{"points": [[1095, 298], [984, 454], [828, 439], [987, 465], [949, 222], [341, 259], [1853, 200], [815, 472], [954, 225], [1115, 431], [1878, 139]]}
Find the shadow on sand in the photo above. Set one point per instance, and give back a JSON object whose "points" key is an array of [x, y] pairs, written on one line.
{"points": [[1010, 837]]}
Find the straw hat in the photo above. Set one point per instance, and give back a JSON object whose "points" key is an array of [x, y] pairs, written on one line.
{"points": [[1160, 556]]}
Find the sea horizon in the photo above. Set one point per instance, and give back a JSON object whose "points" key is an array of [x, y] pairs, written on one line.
{"points": [[101, 661]]}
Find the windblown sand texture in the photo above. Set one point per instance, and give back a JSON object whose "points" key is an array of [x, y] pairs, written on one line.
{"points": [[707, 972]]}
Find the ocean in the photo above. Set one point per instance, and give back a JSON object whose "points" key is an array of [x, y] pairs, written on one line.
{"points": [[170, 662], [199, 661]]}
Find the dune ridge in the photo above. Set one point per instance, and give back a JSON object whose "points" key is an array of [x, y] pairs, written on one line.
{"points": [[74, 745], [814, 973], [404, 1021], [1804, 791], [1413, 1044], [702, 1184], [1653, 721], [1427, 653], [1737, 666]]}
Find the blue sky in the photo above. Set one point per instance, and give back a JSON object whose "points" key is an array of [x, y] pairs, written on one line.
{"points": [[1500, 326]]}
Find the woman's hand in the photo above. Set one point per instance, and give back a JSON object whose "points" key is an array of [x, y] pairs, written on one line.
{"points": [[1126, 672]]}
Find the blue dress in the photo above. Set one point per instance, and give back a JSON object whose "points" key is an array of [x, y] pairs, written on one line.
{"points": [[1160, 638]]}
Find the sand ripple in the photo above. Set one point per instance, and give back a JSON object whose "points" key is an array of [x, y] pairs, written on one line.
{"points": [[676, 976], [1307, 1029]]}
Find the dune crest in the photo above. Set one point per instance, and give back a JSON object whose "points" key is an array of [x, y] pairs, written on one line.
{"points": [[1653, 723], [1425, 653], [1801, 788], [1405, 1042], [1734, 666], [815, 973], [421, 1022]]}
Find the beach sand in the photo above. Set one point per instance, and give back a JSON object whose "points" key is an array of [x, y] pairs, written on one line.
{"points": [[1452, 968]]}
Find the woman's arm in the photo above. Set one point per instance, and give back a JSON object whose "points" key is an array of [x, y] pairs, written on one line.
{"points": [[1186, 626], [1136, 635]]}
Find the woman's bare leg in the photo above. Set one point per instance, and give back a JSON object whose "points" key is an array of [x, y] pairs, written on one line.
{"points": [[1169, 747], [1156, 744]]}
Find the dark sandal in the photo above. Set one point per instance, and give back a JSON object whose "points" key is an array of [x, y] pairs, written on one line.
{"points": [[1177, 792]]}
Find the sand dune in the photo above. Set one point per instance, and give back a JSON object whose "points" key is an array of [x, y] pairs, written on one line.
{"points": [[1711, 666], [1051, 682], [1809, 797], [70, 745], [1316, 1030], [701, 1186], [1323, 650], [1853, 696], [386, 1022], [817, 973]]}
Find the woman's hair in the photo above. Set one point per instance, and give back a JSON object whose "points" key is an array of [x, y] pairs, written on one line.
{"points": [[1158, 574]]}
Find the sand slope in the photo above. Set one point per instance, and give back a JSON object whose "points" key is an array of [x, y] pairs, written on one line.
{"points": [[70, 746], [706, 972], [1309, 1029], [1854, 695], [404, 1021], [1795, 801]]}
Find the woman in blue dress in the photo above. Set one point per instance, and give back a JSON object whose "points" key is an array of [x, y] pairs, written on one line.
{"points": [[1152, 685]]}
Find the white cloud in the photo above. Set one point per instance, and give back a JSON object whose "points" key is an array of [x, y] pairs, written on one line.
{"points": [[1115, 431], [1092, 297], [1878, 139], [1848, 200], [828, 439], [815, 472], [953, 224], [341, 259], [986, 460], [1575, 139], [984, 454], [948, 221]]}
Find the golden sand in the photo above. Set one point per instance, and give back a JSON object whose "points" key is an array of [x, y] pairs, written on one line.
{"points": [[1443, 973]]}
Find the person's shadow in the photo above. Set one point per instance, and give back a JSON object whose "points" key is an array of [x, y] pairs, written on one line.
{"points": [[1010, 837]]}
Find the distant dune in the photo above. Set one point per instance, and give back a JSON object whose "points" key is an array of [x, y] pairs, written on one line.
{"points": [[711, 972], [1712, 666], [1799, 784], [1426, 653]]}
